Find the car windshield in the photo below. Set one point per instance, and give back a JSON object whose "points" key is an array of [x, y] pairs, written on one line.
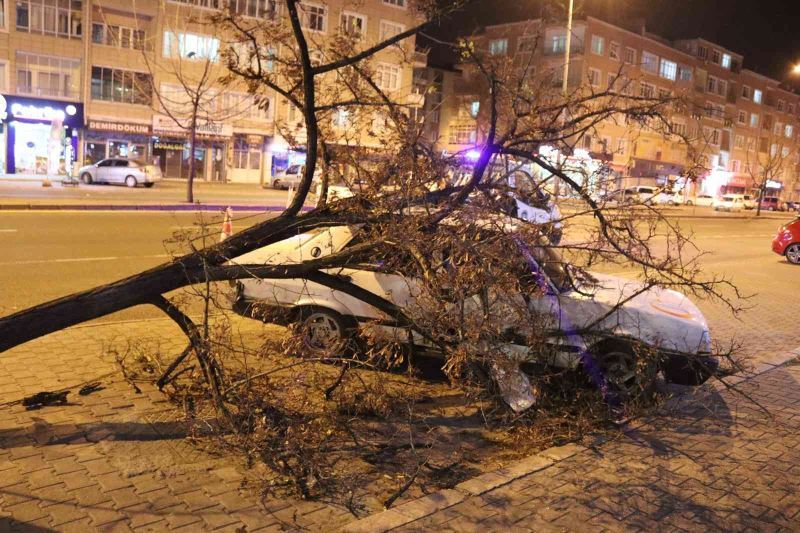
{"points": [[564, 276], [727, 198], [294, 169]]}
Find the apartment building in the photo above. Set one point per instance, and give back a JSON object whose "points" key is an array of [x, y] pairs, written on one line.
{"points": [[82, 80], [740, 122]]}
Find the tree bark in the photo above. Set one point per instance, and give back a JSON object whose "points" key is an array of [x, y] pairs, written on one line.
{"points": [[192, 143]]}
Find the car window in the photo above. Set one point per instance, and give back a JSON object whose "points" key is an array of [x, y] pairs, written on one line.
{"points": [[121, 163], [646, 190], [104, 163]]}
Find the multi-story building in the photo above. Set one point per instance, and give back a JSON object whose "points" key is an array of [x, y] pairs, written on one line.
{"points": [[82, 80], [739, 122]]}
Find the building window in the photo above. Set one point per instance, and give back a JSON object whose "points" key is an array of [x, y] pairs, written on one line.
{"points": [[754, 120], [736, 165], [353, 24], [262, 9], [389, 29], [716, 135], [241, 106], [3, 76], [474, 108], [206, 4], [647, 90], [246, 155], [598, 45], [396, 3], [685, 73], [790, 109], [630, 55], [726, 61], [722, 88], [781, 103], [738, 142], [314, 17], [789, 131], [679, 128], [778, 128], [190, 46], [48, 17], [119, 36], [715, 57], [40, 75], [702, 52], [746, 92], [558, 43], [613, 50], [742, 118], [649, 62], [669, 70], [462, 134], [498, 47], [387, 77], [757, 96], [124, 86], [594, 77]]}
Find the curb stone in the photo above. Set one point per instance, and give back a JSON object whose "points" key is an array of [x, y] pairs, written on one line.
{"points": [[412, 511], [143, 207]]}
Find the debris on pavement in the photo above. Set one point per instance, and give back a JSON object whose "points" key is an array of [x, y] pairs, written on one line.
{"points": [[89, 388], [515, 387], [41, 399]]}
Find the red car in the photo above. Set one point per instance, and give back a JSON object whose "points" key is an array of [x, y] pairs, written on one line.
{"points": [[787, 242]]}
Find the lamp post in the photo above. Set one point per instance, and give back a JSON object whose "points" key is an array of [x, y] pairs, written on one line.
{"points": [[568, 44]]}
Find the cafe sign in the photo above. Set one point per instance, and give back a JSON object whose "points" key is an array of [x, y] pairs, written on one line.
{"points": [[119, 127], [163, 124]]}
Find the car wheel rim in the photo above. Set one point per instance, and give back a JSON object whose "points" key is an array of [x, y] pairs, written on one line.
{"points": [[322, 333], [619, 371], [793, 254]]}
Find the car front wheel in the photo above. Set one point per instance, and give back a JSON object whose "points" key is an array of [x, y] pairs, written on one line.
{"points": [[86, 178], [276, 184], [628, 375], [793, 254], [130, 181], [689, 203]]}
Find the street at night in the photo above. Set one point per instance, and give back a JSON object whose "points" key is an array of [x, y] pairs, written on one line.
{"points": [[399, 265]]}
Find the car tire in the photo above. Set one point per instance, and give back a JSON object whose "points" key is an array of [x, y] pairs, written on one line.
{"points": [[626, 377], [323, 332], [130, 181], [689, 203], [149, 184], [793, 253], [690, 371], [86, 178], [276, 184]]}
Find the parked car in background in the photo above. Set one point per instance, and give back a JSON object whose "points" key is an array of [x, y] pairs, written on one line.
{"points": [[793, 206], [787, 242], [772, 203], [702, 200], [283, 179], [662, 319], [729, 202], [121, 171], [749, 201]]}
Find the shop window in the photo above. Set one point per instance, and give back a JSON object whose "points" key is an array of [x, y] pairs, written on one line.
{"points": [[62, 18], [246, 155], [94, 152]]}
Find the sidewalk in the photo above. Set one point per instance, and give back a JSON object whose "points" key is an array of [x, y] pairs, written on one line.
{"points": [[164, 195], [714, 463]]}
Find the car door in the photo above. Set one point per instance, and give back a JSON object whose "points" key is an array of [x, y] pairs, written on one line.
{"points": [[118, 171], [102, 170]]}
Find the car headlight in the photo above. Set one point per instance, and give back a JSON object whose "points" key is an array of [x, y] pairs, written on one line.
{"points": [[705, 342]]}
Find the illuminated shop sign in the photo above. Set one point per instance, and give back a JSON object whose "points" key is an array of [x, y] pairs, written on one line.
{"points": [[119, 127], [12, 107]]}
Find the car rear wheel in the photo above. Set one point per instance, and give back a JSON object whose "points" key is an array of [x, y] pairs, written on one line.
{"points": [[627, 375], [149, 184], [689, 203], [793, 254], [323, 332], [276, 184], [130, 181], [86, 178]]}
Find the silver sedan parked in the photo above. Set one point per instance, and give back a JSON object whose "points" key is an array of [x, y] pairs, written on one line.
{"points": [[122, 171]]}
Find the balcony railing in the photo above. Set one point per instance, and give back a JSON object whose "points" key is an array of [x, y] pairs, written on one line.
{"points": [[47, 92], [573, 50]]}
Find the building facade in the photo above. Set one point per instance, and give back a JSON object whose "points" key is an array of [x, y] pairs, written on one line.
{"points": [[743, 126], [82, 80]]}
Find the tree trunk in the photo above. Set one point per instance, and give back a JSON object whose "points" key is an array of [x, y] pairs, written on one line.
{"points": [[761, 191], [192, 143]]}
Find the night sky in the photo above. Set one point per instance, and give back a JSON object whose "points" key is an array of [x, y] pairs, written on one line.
{"points": [[766, 32]]}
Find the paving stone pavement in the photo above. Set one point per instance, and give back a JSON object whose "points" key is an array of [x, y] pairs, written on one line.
{"points": [[116, 460], [717, 463]]}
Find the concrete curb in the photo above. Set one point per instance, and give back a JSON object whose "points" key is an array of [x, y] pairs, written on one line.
{"points": [[420, 508], [409, 512], [143, 207]]}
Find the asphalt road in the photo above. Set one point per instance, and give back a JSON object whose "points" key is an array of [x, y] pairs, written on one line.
{"points": [[51, 254]]}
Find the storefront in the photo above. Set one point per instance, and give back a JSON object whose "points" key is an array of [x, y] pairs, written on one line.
{"points": [[718, 182], [39, 136], [170, 149], [104, 139]]}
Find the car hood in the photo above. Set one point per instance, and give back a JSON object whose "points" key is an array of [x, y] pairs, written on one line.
{"points": [[658, 317]]}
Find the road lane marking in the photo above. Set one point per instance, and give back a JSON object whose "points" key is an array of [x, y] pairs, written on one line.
{"points": [[82, 259], [8, 230]]}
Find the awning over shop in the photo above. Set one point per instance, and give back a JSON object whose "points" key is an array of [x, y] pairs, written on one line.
{"points": [[650, 168]]}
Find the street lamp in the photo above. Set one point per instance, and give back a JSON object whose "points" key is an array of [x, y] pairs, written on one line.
{"points": [[796, 69], [568, 44]]}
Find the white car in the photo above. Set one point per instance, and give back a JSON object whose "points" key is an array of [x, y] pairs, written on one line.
{"points": [[290, 177], [729, 202], [749, 202], [122, 171], [702, 200], [665, 320]]}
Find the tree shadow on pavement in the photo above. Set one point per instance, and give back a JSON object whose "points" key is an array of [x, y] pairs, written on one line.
{"points": [[44, 433]]}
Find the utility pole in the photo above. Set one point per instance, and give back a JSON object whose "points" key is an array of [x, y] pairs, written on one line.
{"points": [[567, 50]]}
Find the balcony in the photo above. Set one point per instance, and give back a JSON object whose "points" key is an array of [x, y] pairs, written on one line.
{"points": [[420, 58], [575, 49]]}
